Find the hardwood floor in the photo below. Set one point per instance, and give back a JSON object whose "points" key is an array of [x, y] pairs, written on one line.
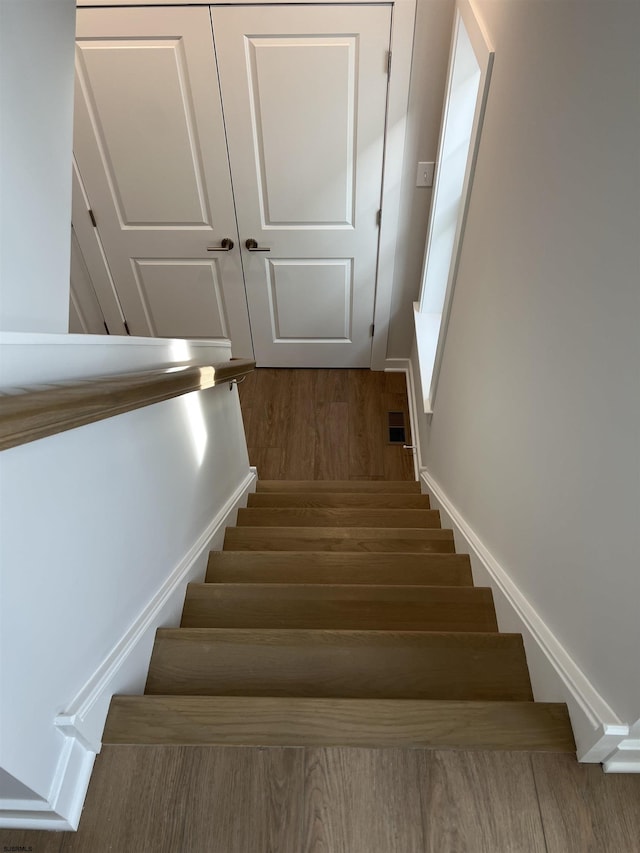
{"points": [[344, 800], [194, 799], [325, 424]]}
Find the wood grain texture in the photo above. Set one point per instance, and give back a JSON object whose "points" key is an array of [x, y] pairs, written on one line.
{"points": [[331, 452], [313, 606], [38, 841], [297, 407], [214, 800], [324, 424], [147, 790], [337, 517], [348, 486], [344, 567], [344, 499], [366, 427], [268, 459], [222, 799], [422, 541], [268, 721], [244, 800], [359, 801], [332, 386], [338, 664], [36, 414], [480, 802], [585, 810]]}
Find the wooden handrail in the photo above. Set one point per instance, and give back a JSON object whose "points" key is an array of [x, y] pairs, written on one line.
{"points": [[35, 414]]}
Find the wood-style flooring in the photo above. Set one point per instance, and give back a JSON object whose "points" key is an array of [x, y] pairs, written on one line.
{"points": [[190, 799], [339, 800], [325, 424]]}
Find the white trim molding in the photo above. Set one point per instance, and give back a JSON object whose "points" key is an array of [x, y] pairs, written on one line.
{"points": [[601, 737], [470, 64], [63, 807], [626, 756]]}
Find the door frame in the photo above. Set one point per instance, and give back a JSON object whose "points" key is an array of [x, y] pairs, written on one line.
{"points": [[403, 14]]}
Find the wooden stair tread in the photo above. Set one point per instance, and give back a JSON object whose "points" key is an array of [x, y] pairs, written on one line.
{"points": [[378, 500], [337, 517], [268, 721], [313, 606], [342, 567], [339, 663], [385, 486], [423, 540]]}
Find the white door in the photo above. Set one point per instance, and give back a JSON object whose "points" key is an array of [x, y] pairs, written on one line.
{"points": [[304, 93], [90, 265], [150, 146], [85, 315]]}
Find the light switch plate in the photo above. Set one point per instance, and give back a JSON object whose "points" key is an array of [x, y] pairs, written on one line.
{"points": [[424, 176]]}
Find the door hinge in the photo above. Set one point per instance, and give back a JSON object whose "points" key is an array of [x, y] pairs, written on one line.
{"points": [[372, 329], [389, 63], [126, 326], [379, 218], [92, 217]]}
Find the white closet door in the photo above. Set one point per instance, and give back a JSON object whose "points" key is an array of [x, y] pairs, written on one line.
{"points": [[85, 314], [150, 145], [94, 269], [304, 93]]}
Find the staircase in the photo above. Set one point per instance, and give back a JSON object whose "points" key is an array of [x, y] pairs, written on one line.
{"points": [[339, 613]]}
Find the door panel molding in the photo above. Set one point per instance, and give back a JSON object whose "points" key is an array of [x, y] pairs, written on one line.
{"points": [[168, 317], [126, 139], [330, 298], [327, 115]]}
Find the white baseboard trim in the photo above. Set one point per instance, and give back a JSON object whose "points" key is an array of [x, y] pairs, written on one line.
{"points": [[626, 758], [123, 670], [600, 735], [63, 808]]}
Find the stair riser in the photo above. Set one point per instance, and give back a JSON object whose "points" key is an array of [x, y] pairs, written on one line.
{"points": [[239, 721], [333, 486], [332, 539], [328, 567], [358, 608], [338, 517], [344, 499], [340, 664]]}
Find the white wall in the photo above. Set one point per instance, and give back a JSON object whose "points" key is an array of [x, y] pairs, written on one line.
{"points": [[13, 789], [100, 529], [534, 438], [36, 108]]}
